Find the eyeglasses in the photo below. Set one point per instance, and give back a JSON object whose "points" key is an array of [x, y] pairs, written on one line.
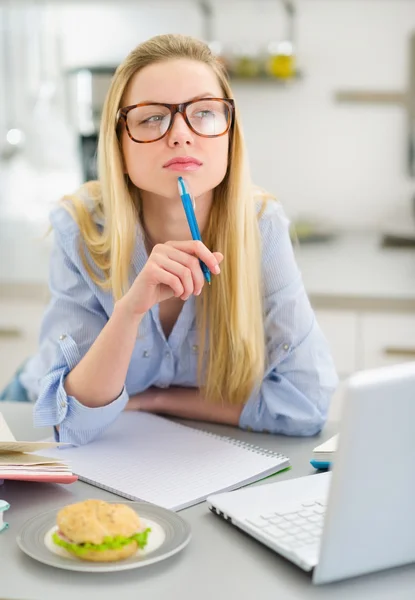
{"points": [[151, 121]]}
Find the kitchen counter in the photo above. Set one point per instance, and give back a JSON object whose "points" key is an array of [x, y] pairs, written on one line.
{"points": [[352, 271]]}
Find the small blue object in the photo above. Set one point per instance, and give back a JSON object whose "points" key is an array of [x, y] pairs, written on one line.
{"points": [[3, 507], [320, 465], [191, 219]]}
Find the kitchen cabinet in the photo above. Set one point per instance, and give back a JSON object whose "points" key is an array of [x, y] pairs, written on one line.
{"points": [[341, 331], [387, 339], [366, 340]]}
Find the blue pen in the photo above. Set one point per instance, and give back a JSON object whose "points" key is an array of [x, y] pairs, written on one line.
{"points": [[191, 219]]}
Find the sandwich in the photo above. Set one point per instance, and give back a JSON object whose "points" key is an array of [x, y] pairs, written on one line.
{"points": [[98, 531]]}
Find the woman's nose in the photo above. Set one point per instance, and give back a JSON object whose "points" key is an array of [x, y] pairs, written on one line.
{"points": [[180, 133]]}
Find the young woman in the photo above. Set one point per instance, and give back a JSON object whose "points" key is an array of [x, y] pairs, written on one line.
{"points": [[131, 323]]}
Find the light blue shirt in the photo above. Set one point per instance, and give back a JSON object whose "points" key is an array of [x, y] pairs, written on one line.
{"points": [[299, 377]]}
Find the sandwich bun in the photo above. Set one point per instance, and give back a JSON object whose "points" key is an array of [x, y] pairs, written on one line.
{"points": [[98, 531]]}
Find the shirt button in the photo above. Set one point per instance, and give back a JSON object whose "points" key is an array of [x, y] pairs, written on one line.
{"points": [[62, 337], [285, 347], [195, 348], [146, 354], [63, 403], [167, 354]]}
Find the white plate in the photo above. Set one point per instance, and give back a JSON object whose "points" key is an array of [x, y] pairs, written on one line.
{"points": [[169, 534]]}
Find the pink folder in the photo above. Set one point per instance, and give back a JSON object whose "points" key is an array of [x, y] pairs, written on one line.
{"points": [[20, 461], [52, 478]]}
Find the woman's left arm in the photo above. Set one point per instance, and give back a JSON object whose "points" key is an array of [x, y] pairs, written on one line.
{"points": [[185, 403], [300, 376]]}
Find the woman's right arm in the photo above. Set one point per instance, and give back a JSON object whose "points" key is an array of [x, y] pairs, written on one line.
{"points": [[99, 377], [72, 323], [84, 356], [173, 269]]}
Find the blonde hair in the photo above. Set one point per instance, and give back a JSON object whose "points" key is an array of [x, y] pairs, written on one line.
{"points": [[230, 313]]}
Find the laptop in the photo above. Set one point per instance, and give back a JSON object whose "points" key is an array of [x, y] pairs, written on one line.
{"points": [[359, 517]]}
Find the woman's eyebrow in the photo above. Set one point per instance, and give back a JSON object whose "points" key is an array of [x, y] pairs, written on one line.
{"points": [[198, 97], [205, 95]]}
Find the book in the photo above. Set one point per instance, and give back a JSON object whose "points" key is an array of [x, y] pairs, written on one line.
{"points": [[324, 453], [17, 460], [150, 458]]}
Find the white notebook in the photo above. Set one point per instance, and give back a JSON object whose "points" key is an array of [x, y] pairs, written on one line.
{"points": [[146, 457]]}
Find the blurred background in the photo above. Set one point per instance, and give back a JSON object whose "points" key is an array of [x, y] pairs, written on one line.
{"points": [[326, 90]]}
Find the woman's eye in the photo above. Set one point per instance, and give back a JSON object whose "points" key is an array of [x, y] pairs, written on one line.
{"points": [[152, 119], [204, 113]]}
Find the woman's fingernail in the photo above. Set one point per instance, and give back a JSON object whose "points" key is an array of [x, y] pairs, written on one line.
{"points": [[216, 270]]}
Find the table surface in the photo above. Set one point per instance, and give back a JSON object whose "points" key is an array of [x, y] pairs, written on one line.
{"points": [[220, 561]]}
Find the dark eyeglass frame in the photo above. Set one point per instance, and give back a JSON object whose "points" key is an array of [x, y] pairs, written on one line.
{"points": [[174, 109]]}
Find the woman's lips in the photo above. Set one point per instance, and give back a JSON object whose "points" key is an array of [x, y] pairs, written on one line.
{"points": [[183, 167], [183, 164]]}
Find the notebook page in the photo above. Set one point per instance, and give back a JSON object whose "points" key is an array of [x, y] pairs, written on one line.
{"points": [[8, 443], [146, 457], [17, 458], [5, 433], [25, 446]]}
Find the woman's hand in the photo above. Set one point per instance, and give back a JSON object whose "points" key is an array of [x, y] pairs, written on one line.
{"points": [[172, 269]]}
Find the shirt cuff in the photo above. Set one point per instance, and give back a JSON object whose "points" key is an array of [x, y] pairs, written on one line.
{"points": [[278, 407], [80, 424]]}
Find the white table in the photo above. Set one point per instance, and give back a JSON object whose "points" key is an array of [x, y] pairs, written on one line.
{"points": [[219, 563]]}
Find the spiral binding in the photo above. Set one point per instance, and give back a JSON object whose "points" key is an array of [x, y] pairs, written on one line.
{"points": [[108, 488], [253, 448], [239, 443]]}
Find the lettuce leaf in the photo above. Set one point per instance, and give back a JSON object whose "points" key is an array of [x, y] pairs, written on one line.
{"points": [[109, 543]]}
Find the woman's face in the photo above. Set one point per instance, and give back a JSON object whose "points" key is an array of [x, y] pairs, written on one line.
{"points": [[174, 82]]}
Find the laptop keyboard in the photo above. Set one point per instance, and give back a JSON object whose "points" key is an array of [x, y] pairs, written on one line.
{"points": [[292, 529]]}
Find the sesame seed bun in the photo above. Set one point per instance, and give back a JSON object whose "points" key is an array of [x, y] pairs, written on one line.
{"points": [[94, 520]]}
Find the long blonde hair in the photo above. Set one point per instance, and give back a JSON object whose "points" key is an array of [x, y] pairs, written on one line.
{"points": [[229, 313]]}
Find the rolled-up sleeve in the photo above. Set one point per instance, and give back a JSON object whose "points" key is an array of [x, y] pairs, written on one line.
{"points": [[72, 321], [78, 424], [300, 376]]}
